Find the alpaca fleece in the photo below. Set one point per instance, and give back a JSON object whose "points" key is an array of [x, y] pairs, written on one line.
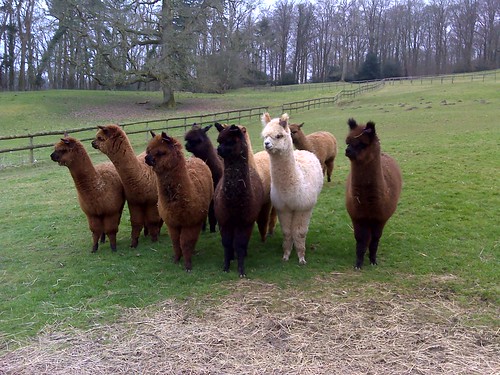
{"points": [[138, 180], [99, 188], [185, 188], [372, 190], [296, 182]]}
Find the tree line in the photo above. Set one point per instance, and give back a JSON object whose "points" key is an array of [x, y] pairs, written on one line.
{"points": [[216, 45]]}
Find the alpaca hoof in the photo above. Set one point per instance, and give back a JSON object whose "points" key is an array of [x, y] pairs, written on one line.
{"points": [[285, 258], [302, 261], [374, 263], [357, 268], [242, 275]]}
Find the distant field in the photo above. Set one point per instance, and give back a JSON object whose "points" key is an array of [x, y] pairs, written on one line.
{"points": [[443, 240]]}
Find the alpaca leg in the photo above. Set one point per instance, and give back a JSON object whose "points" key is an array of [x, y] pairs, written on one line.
{"points": [[95, 227], [273, 218], [285, 219], [189, 237], [95, 241], [137, 223], [103, 238], [362, 236], [227, 242], [152, 219], [110, 224], [300, 226], [376, 233], [263, 220], [329, 169], [175, 236], [212, 221], [241, 239]]}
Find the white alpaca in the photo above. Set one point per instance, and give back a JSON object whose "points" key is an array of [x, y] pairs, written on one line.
{"points": [[296, 181]]}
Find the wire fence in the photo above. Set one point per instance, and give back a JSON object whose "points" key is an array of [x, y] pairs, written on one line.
{"points": [[21, 149]]}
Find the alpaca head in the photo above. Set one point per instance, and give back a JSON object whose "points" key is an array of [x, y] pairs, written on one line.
{"points": [[67, 151], [296, 131], [276, 134], [232, 141], [108, 138], [362, 142], [197, 140], [163, 152]]}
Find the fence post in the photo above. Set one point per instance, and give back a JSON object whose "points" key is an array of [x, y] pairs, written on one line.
{"points": [[32, 155]]}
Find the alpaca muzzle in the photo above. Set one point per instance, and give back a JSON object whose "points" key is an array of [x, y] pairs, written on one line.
{"points": [[150, 160], [95, 145]]}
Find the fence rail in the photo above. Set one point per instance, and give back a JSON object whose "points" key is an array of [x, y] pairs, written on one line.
{"points": [[316, 103]]}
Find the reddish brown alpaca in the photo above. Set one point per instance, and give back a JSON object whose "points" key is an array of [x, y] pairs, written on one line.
{"points": [[138, 180], [372, 190], [99, 188], [185, 190]]}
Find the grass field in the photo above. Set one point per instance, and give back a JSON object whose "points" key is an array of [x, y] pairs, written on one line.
{"points": [[443, 239]]}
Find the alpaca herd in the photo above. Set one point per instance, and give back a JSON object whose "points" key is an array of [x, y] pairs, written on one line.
{"points": [[231, 186]]}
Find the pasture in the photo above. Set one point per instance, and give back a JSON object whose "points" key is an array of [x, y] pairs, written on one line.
{"points": [[430, 306]]}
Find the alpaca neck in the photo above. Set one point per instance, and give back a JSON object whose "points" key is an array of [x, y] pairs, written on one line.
{"points": [[125, 160], [302, 143], [368, 175], [283, 167], [83, 173], [174, 183], [211, 158]]}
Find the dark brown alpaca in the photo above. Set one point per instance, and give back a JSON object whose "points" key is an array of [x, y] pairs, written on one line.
{"points": [[239, 196], [99, 188], [372, 190], [185, 190], [200, 145]]}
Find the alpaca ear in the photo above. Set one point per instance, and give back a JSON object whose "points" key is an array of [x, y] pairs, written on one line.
{"points": [[207, 128], [265, 119], [165, 137], [66, 141], [352, 123], [283, 122], [153, 134], [219, 126], [370, 128], [301, 125]]}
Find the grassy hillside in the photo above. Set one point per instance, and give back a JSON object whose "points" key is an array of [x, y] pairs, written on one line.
{"points": [[443, 238]]}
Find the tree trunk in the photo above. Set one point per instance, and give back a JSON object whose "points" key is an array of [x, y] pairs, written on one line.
{"points": [[168, 96]]}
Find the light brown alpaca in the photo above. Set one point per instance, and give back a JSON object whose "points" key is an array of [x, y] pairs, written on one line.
{"points": [[99, 188], [322, 144], [185, 189], [139, 181]]}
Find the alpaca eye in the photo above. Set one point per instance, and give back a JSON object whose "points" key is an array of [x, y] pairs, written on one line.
{"points": [[279, 136]]}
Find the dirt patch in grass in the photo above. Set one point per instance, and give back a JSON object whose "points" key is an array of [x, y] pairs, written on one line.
{"points": [[124, 112], [262, 329]]}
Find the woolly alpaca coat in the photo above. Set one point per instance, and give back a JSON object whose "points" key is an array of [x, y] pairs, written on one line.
{"points": [[239, 197], [373, 188], [200, 145], [99, 188], [322, 143], [185, 189], [138, 180], [296, 182]]}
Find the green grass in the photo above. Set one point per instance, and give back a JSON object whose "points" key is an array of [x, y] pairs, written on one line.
{"points": [[444, 237]]}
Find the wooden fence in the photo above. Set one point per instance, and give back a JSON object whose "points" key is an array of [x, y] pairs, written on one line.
{"points": [[15, 153], [41, 140]]}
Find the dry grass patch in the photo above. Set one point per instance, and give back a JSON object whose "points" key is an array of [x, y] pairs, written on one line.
{"points": [[262, 329]]}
